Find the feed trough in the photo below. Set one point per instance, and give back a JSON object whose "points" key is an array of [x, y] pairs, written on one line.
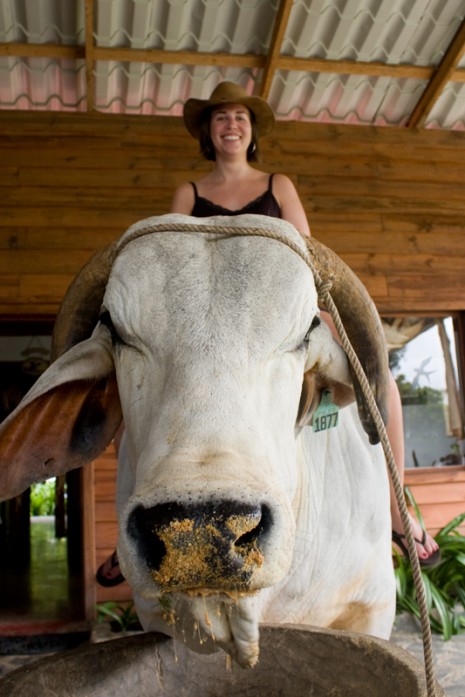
{"points": [[295, 661]]}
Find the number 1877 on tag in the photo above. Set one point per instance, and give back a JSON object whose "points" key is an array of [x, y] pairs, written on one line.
{"points": [[324, 421]]}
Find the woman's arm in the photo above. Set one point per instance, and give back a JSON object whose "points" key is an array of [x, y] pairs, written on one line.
{"points": [[291, 206], [183, 199]]}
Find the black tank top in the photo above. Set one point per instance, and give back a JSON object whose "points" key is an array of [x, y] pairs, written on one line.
{"points": [[265, 204]]}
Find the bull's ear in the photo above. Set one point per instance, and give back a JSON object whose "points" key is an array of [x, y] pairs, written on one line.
{"points": [[326, 368], [65, 420], [313, 386]]}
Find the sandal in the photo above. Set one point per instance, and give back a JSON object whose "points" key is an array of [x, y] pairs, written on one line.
{"points": [[433, 560], [104, 580]]}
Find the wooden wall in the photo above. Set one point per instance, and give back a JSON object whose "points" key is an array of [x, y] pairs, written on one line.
{"points": [[439, 493], [391, 202], [105, 522]]}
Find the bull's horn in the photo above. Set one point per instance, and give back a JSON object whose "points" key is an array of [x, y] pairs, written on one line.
{"points": [[80, 307], [363, 327]]}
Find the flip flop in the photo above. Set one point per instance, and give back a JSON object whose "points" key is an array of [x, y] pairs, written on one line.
{"points": [[433, 560], [109, 582]]}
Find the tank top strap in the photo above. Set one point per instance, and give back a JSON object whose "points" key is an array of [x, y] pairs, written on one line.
{"points": [[196, 193], [270, 183]]}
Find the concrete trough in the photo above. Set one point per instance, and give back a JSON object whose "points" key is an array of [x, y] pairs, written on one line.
{"points": [[294, 661]]}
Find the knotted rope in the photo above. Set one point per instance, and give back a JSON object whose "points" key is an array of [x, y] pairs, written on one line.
{"points": [[323, 287]]}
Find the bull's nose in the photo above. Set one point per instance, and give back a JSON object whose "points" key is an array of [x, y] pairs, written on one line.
{"points": [[215, 545]]}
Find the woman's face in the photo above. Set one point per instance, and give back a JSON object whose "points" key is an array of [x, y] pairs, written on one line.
{"points": [[231, 129]]}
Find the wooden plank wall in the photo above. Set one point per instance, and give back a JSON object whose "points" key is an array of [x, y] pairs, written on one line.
{"points": [[439, 493], [106, 526], [391, 202]]}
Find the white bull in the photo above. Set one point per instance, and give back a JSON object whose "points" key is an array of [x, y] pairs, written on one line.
{"points": [[232, 511]]}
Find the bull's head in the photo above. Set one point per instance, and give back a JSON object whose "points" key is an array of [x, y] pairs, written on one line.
{"points": [[213, 348]]}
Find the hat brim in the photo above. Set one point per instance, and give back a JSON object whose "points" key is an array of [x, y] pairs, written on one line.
{"points": [[195, 110]]}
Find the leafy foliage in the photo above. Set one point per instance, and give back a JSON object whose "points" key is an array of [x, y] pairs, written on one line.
{"points": [[43, 498], [122, 617], [417, 395], [444, 584]]}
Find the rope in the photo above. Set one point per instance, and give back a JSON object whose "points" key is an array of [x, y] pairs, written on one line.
{"points": [[323, 287], [394, 474]]}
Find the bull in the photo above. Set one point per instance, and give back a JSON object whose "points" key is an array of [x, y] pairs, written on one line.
{"points": [[233, 509]]}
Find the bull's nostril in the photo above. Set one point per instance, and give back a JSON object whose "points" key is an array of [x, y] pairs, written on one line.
{"points": [[150, 546], [257, 531]]}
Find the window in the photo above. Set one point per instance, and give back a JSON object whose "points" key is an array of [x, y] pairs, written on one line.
{"points": [[423, 360]]}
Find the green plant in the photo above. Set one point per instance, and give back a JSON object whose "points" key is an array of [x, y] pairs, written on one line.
{"points": [[43, 498], [122, 617], [444, 584]]}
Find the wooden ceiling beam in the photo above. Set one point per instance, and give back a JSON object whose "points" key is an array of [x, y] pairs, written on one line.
{"points": [[89, 54], [243, 60], [153, 55], [348, 67], [272, 60], [442, 75], [20, 50]]}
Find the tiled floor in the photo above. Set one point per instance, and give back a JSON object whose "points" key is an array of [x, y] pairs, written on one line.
{"points": [[449, 656], [41, 605], [46, 591]]}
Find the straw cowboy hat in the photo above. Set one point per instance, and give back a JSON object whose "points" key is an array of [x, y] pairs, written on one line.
{"points": [[228, 93]]}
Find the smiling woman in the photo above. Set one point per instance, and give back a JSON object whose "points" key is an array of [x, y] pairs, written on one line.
{"points": [[228, 126]]}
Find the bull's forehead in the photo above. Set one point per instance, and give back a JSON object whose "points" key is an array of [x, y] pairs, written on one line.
{"points": [[226, 283]]}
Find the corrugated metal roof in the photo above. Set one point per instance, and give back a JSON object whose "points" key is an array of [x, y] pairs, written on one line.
{"points": [[367, 62]]}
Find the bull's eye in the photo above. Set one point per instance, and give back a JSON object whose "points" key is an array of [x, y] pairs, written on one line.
{"points": [[316, 323], [105, 319]]}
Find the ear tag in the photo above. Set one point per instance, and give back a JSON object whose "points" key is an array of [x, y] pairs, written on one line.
{"points": [[327, 413]]}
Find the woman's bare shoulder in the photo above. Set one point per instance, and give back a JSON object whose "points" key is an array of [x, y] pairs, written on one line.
{"points": [[281, 182], [183, 199], [288, 198]]}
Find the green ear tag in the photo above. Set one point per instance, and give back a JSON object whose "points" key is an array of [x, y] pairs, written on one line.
{"points": [[326, 415]]}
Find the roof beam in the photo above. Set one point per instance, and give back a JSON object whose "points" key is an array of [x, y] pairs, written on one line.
{"points": [[349, 67], [242, 60], [153, 55], [442, 75], [19, 50], [280, 26]]}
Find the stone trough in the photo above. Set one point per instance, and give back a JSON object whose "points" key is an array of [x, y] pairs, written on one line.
{"points": [[294, 661]]}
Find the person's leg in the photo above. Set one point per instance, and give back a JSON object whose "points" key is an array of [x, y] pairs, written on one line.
{"points": [[395, 432]]}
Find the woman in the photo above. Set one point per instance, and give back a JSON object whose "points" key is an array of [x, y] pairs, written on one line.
{"points": [[228, 126]]}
